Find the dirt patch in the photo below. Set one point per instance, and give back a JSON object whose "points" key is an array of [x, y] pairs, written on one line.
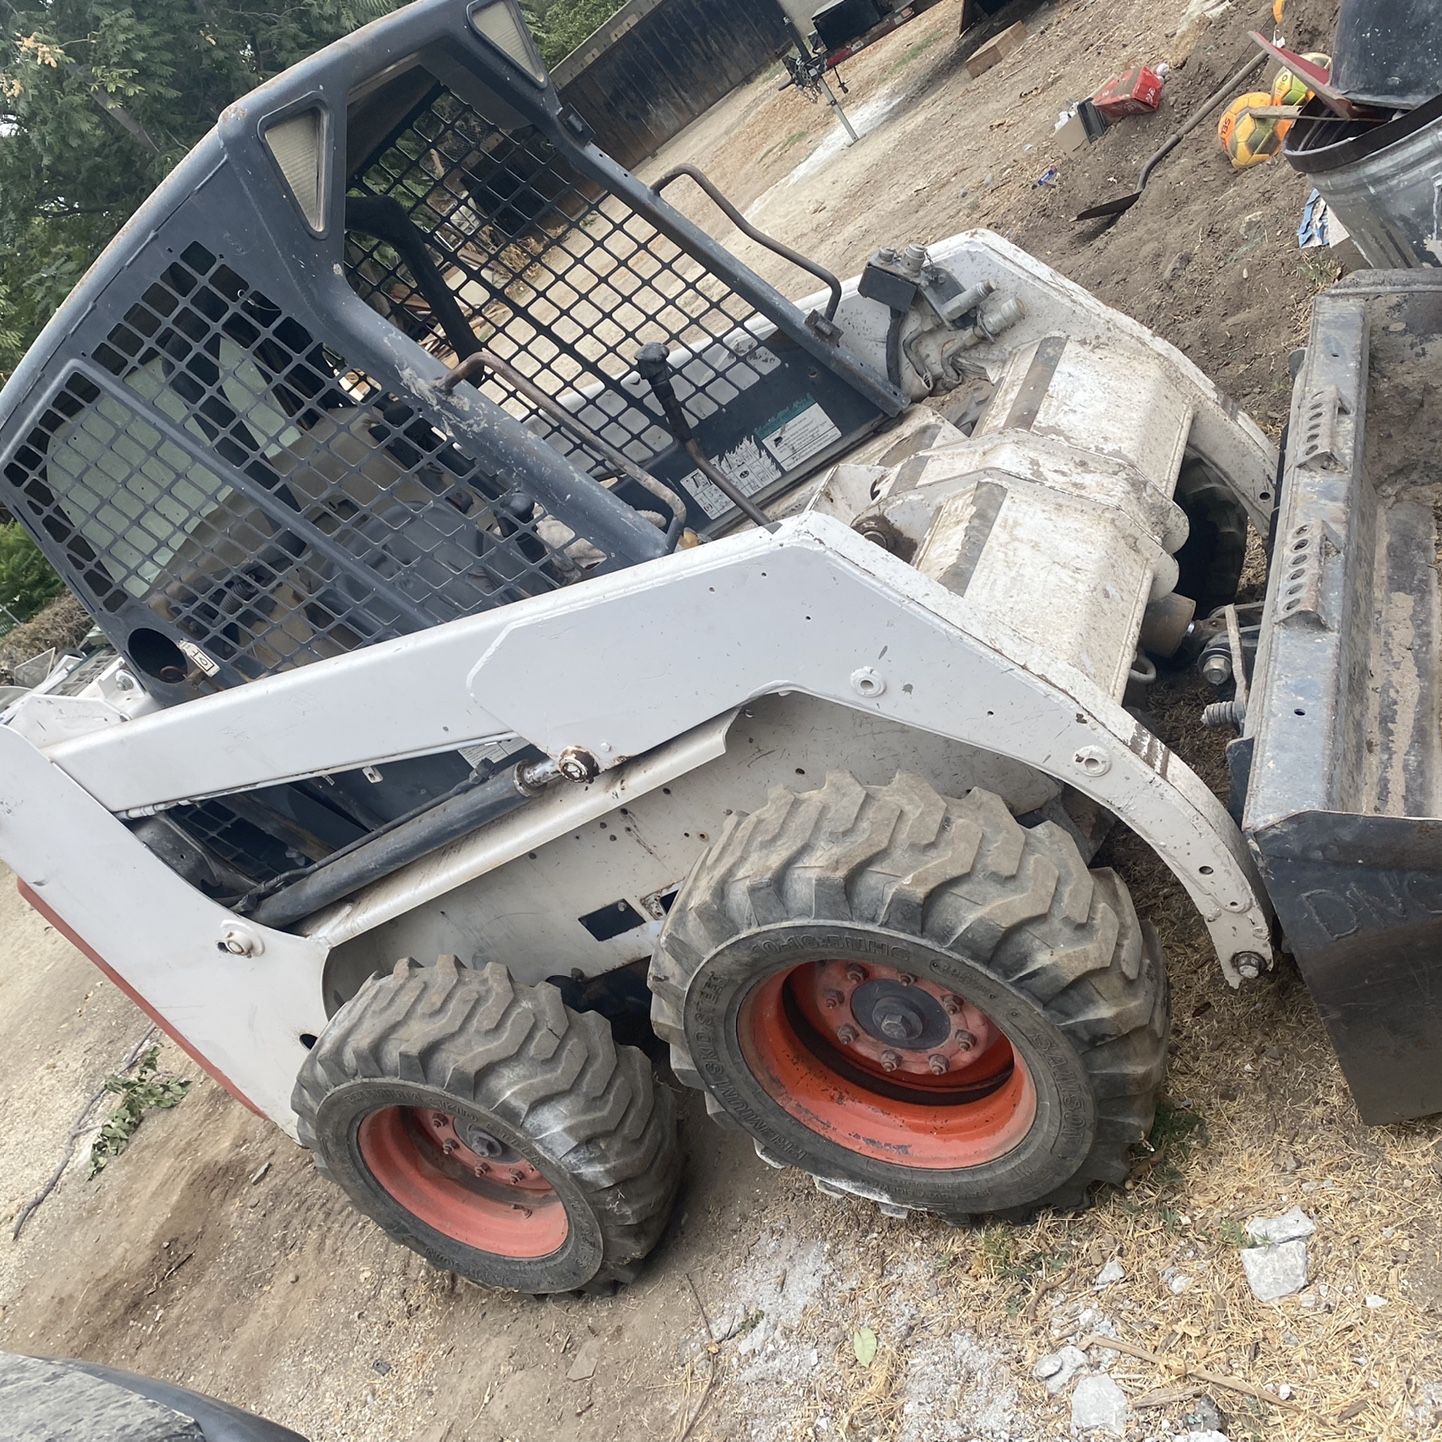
{"points": [[271, 1293]]}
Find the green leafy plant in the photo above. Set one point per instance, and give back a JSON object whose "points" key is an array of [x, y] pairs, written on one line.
{"points": [[26, 580], [145, 1090]]}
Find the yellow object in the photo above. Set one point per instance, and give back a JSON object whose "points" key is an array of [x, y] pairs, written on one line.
{"points": [[1279, 9], [1248, 140], [1290, 88]]}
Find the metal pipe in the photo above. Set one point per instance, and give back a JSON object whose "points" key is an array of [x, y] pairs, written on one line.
{"points": [[484, 359], [803, 262], [425, 832]]}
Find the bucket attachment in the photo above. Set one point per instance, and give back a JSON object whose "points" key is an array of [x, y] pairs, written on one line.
{"points": [[1344, 798]]}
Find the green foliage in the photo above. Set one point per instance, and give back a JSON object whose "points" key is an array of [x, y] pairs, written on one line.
{"points": [[143, 1092], [98, 101], [100, 98], [561, 25], [26, 580]]}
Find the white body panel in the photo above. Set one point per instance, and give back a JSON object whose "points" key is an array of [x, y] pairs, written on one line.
{"points": [[997, 657]]}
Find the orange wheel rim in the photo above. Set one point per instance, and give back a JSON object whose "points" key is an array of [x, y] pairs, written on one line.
{"points": [[462, 1182], [888, 1065]]}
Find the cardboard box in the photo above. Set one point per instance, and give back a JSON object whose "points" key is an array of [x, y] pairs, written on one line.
{"points": [[1136, 92], [996, 50]]}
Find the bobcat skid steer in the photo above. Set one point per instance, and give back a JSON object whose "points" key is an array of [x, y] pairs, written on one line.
{"points": [[526, 613]]}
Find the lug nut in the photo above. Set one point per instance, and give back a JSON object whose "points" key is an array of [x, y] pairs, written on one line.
{"points": [[1217, 669], [965, 1040], [518, 1176], [890, 1061], [438, 1120], [906, 978], [482, 1170], [448, 1146], [938, 1064], [846, 1035], [855, 974], [952, 1004], [832, 1000]]}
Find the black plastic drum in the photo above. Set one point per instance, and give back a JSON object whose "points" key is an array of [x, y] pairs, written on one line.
{"points": [[1389, 52]]}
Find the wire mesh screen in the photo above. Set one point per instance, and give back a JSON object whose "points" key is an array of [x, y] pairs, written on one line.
{"points": [[560, 280], [218, 464]]}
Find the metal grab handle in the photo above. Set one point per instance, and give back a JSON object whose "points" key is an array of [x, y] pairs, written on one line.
{"points": [[778, 247], [484, 360]]}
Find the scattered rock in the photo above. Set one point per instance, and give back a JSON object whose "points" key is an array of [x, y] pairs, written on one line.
{"points": [[1285, 1392], [1180, 261], [1279, 1267], [1057, 1369], [1099, 1405], [381, 1367], [584, 1367], [259, 1174], [1205, 1416], [1178, 1284], [1373, 1300], [1200, 1437], [1291, 1226], [1276, 1271], [1111, 1274]]}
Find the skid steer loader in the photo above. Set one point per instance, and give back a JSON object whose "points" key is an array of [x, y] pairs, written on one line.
{"points": [[526, 614]]}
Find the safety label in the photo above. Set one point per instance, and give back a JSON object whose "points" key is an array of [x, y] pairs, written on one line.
{"points": [[790, 441], [800, 436]]}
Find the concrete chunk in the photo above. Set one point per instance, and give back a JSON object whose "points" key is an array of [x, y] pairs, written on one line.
{"points": [[1099, 1405], [1276, 1271]]}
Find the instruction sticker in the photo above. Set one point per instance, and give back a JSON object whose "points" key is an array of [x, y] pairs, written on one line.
{"points": [[747, 465], [789, 442], [800, 436]]}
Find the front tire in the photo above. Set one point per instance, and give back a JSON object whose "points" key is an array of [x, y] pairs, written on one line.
{"points": [[489, 1128], [916, 1000]]}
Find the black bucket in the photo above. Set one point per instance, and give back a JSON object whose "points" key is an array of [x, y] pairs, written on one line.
{"points": [[1383, 182], [1388, 53]]}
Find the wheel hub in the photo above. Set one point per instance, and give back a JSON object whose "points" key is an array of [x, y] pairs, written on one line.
{"points": [[900, 1015], [889, 1064], [460, 1179], [904, 1026]]}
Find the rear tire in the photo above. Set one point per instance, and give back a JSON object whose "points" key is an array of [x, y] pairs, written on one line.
{"points": [[486, 1126], [1210, 561], [823, 924]]}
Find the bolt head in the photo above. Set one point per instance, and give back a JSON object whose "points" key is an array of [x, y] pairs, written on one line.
{"points": [[846, 1035], [482, 1170], [1217, 670], [236, 947], [965, 1040], [938, 1064], [890, 1061], [518, 1175], [438, 1119], [906, 978], [855, 974], [952, 1005], [832, 1000], [448, 1146], [1249, 966]]}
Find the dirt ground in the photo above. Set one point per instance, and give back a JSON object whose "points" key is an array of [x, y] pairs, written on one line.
{"points": [[210, 1253]]}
